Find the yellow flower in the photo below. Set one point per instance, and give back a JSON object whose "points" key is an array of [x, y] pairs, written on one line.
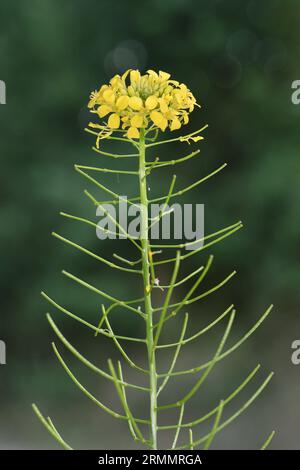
{"points": [[133, 133], [114, 121], [122, 103], [159, 120], [151, 102], [109, 96], [137, 120], [175, 124], [136, 103], [103, 110], [133, 101]]}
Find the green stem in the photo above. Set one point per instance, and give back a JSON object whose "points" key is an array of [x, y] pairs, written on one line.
{"points": [[147, 288]]}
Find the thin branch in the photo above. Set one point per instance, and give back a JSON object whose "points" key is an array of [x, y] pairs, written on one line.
{"points": [[228, 351], [54, 428], [127, 261], [106, 170], [167, 199], [115, 155], [194, 242], [88, 222], [215, 426], [85, 361], [150, 165], [227, 400], [191, 186], [89, 325], [113, 201], [181, 138], [152, 128], [176, 354], [103, 318], [235, 415], [131, 428], [157, 164], [199, 333], [191, 445], [120, 139], [100, 185], [93, 255], [178, 427], [119, 347], [121, 303], [83, 389], [194, 252], [188, 301], [124, 232], [212, 363], [50, 429], [111, 307], [268, 441], [167, 300], [182, 281], [124, 402]]}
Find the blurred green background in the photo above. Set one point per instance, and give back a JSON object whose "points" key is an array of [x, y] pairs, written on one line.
{"points": [[239, 59]]}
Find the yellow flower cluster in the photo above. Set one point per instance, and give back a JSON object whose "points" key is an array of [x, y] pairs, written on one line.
{"points": [[134, 101]]}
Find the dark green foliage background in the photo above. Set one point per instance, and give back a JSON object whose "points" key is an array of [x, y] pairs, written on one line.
{"points": [[239, 59]]}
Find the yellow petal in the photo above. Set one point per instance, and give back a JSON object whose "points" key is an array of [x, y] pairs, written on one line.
{"points": [[163, 106], [102, 89], [103, 110], [109, 96], [114, 80], [130, 91], [151, 102], [137, 121], [95, 126], [197, 138], [133, 133], [114, 121], [159, 120], [164, 75], [122, 102], [185, 118], [135, 103], [176, 124], [135, 76], [152, 73], [124, 76]]}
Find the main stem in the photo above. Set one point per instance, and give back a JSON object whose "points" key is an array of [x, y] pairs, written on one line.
{"points": [[147, 289]]}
